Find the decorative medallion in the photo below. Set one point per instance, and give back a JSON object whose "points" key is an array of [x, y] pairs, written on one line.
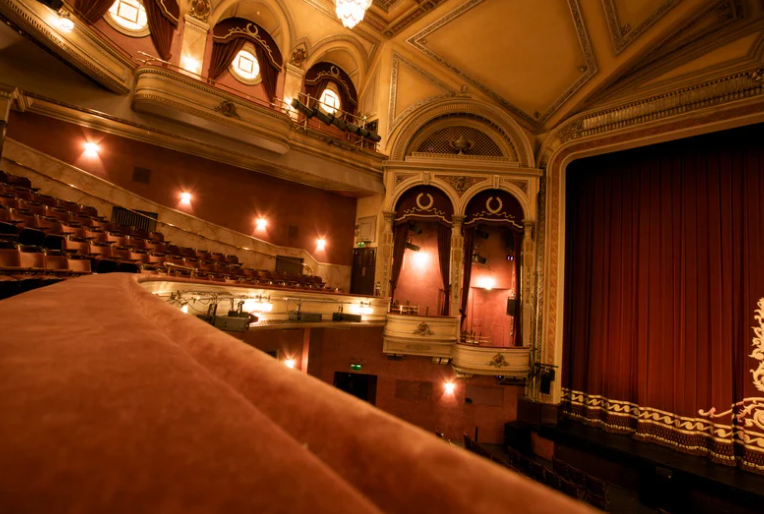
{"points": [[299, 55], [227, 108], [423, 330], [460, 183], [424, 207], [498, 361], [498, 209], [200, 9]]}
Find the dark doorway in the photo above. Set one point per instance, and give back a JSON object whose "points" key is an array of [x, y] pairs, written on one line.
{"points": [[362, 276], [360, 386]]}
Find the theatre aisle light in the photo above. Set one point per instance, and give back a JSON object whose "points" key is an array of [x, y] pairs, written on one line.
{"points": [[185, 198], [449, 387], [91, 149], [261, 223], [290, 363], [321, 244]]}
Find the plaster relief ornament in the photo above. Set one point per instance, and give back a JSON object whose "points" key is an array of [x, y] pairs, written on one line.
{"points": [[419, 201], [496, 210], [423, 330], [298, 56], [227, 108], [461, 145], [498, 361], [200, 9]]}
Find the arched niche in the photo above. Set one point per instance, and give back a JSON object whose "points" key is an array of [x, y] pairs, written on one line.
{"points": [[421, 257], [323, 75], [343, 51], [499, 123], [492, 285], [275, 19]]}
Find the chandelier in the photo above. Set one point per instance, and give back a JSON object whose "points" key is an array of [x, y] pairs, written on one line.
{"points": [[351, 11]]}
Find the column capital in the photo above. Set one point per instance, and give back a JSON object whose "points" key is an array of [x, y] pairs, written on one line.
{"points": [[389, 216]]}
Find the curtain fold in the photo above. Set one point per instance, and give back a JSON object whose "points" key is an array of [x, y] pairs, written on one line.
{"points": [[444, 259], [269, 74], [663, 270], [92, 10], [223, 55], [400, 236], [315, 90], [517, 314], [469, 248], [162, 25]]}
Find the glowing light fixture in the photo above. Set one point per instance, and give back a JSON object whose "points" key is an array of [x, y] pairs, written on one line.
{"points": [[421, 259], [185, 198], [350, 12], [191, 64], [261, 223], [184, 309], [64, 22], [290, 363], [487, 283], [321, 244], [449, 387], [91, 149], [258, 305]]}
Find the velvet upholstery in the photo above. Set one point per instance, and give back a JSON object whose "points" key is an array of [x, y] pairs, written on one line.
{"points": [[114, 401]]}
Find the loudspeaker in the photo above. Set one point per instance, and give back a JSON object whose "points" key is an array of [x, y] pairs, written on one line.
{"points": [[511, 305]]}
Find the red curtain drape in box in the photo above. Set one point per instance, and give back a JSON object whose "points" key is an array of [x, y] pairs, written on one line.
{"points": [[469, 248], [162, 17], [318, 77], [400, 236], [444, 259], [92, 10], [517, 315], [664, 266], [223, 55]]}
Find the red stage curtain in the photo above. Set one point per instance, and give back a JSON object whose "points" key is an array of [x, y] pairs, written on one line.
{"points": [[469, 248], [223, 55], [444, 259], [269, 74], [663, 270], [400, 236], [162, 17], [92, 10]]}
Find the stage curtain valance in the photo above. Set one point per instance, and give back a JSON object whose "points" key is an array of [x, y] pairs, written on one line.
{"points": [[162, 17], [321, 74], [663, 271], [229, 37]]}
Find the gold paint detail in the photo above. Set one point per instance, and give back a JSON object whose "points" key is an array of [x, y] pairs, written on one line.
{"points": [[423, 330]]}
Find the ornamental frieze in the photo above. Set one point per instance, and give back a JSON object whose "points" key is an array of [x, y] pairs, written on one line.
{"points": [[459, 183]]}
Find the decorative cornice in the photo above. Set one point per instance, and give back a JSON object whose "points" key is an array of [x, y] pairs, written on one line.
{"points": [[623, 35], [588, 69]]}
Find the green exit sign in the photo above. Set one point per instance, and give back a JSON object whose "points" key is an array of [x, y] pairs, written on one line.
{"points": [[355, 367]]}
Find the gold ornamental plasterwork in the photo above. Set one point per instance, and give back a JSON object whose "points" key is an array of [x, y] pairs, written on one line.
{"points": [[200, 9], [460, 183]]}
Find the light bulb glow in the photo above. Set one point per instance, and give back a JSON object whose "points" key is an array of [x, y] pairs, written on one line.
{"points": [[351, 12], [185, 198], [184, 309], [65, 23], [261, 223], [252, 305], [191, 64], [449, 387], [321, 245], [487, 283], [421, 259], [290, 363], [91, 149]]}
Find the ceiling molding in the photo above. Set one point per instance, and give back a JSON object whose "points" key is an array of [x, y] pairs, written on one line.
{"points": [[623, 35], [588, 70], [398, 59]]}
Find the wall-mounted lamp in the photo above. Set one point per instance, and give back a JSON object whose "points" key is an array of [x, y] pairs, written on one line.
{"points": [[261, 223], [449, 387], [191, 64], [421, 259], [185, 198], [258, 304], [412, 247], [64, 21], [290, 363], [321, 244], [91, 149], [487, 283]]}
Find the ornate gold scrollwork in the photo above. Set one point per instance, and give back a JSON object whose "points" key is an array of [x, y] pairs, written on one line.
{"points": [[488, 205], [419, 201]]}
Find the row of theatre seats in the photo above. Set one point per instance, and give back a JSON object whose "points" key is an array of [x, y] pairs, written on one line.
{"points": [[561, 476], [44, 239]]}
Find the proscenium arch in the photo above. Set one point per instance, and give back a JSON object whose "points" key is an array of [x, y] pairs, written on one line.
{"points": [[343, 43], [279, 11], [407, 130]]}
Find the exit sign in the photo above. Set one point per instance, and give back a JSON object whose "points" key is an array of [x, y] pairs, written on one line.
{"points": [[355, 367]]}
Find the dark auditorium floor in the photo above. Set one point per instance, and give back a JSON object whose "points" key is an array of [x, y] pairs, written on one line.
{"points": [[622, 501]]}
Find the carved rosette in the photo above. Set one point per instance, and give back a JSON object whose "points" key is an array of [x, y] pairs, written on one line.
{"points": [[200, 9], [299, 56]]}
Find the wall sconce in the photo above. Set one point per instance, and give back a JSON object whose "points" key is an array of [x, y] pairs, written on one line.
{"points": [[184, 308], [321, 244], [91, 149], [290, 363], [449, 387], [64, 22], [421, 259], [185, 198], [258, 304], [487, 283], [191, 64], [261, 223], [362, 308]]}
